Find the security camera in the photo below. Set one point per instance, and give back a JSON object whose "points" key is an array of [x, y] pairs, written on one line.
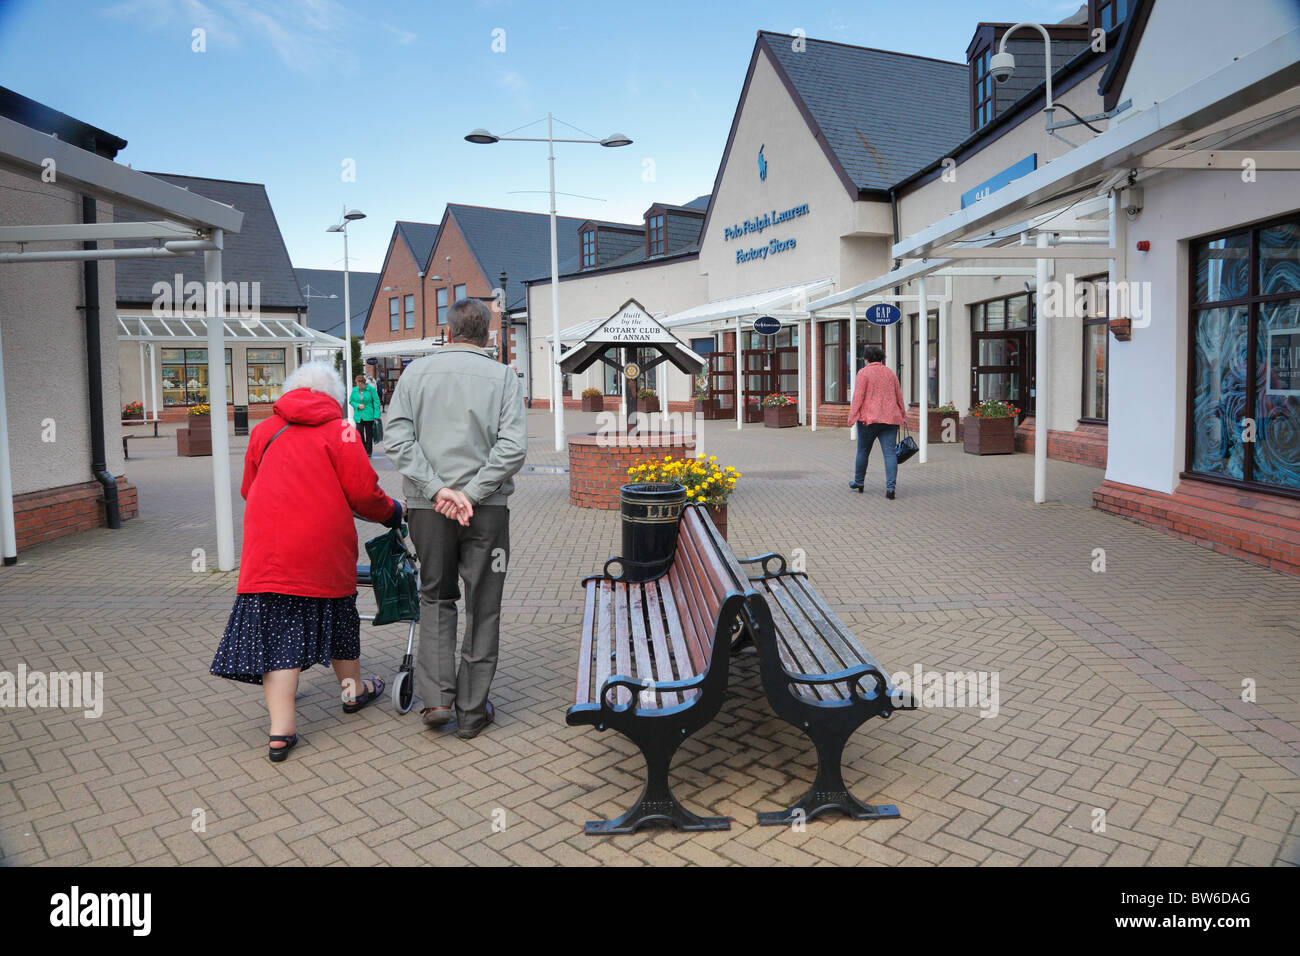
{"points": [[1002, 66]]}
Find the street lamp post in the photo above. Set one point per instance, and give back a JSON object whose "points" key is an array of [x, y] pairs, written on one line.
{"points": [[483, 137], [348, 216]]}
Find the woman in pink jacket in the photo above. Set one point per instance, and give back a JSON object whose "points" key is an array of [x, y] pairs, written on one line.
{"points": [[878, 411]]}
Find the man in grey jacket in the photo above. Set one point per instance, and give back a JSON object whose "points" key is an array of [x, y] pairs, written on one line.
{"points": [[456, 431]]}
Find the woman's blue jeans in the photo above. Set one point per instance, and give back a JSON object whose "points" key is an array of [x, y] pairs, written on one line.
{"points": [[888, 438]]}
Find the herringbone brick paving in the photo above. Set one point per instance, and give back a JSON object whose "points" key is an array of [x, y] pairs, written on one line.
{"points": [[1119, 691]]}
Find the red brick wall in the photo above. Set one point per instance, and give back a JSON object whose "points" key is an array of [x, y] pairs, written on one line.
{"points": [[54, 512], [1086, 445], [598, 466], [1254, 526]]}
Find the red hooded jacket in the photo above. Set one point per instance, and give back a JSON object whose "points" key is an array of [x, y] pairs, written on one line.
{"points": [[299, 534]]}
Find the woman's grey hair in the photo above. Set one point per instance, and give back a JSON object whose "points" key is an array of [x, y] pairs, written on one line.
{"points": [[319, 377]]}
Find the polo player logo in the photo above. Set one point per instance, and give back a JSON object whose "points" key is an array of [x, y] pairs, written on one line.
{"points": [[762, 163]]}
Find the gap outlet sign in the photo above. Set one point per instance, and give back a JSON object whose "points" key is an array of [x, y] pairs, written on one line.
{"points": [[756, 226]]}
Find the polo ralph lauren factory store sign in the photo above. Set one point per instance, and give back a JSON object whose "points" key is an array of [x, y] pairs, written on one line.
{"points": [[756, 226]]}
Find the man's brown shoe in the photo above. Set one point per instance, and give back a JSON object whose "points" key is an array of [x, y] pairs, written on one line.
{"points": [[469, 733], [436, 716]]}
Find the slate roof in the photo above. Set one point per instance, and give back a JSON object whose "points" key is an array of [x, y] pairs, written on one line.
{"points": [[255, 254], [519, 242], [326, 315], [420, 238], [884, 115], [682, 239]]}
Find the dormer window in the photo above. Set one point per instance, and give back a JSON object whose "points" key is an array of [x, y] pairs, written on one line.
{"points": [[1109, 14], [589, 249], [655, 235], [981, 88]]}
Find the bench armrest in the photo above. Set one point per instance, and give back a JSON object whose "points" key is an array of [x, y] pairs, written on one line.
{"points": [[639, 685], [765, 558], [853, 676], [623, 565]]}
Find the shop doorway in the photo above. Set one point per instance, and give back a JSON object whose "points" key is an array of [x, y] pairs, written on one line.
{"points": [[1004, 368], [771, 364]]}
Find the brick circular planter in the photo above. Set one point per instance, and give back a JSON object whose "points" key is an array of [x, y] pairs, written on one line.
{"points": [[598, 463]]}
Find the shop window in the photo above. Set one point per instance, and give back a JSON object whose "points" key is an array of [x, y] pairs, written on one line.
{"points": [[981, 88], [1096, 354], [589, 248], [836, 374], [185, 377], [655, 235], [931, 367], [394, 315], [410, 311], [442, 306], [265, 375], [1244, 393]]}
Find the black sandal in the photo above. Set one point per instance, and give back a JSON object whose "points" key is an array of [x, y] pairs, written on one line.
{"points": [[280, 753], [366, 698]]}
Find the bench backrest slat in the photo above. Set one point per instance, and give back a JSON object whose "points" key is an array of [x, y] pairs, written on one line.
{"points": [[640, 644], [684, 634], [693, 615]]}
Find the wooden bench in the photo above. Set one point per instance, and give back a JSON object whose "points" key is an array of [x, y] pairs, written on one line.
{"points": [[653, 662], [655, 655], [126, 451], [820, 679]]}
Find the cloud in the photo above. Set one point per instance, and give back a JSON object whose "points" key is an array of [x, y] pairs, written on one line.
{"points": [[402, 37]]}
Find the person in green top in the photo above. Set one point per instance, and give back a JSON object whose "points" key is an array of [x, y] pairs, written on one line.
{"points": [[365, 408]]}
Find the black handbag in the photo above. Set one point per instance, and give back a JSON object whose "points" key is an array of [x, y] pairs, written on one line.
{"points": [[394, 577], [906, 447]]}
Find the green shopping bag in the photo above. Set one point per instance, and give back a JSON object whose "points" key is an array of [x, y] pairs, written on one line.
{"points": [[395, 578]]}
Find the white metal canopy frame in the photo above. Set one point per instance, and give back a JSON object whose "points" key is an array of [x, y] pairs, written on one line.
{"points": [[186, 223], [1073, 199]]}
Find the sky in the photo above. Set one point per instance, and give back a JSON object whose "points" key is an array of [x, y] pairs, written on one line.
{"points": [[334, 103]]}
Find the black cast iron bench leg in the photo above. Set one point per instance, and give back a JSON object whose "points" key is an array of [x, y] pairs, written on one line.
{"points": [[828, 790], [656, 802]]}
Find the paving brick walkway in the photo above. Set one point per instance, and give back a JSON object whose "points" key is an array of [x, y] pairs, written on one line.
{"points": [[1119, 691]]}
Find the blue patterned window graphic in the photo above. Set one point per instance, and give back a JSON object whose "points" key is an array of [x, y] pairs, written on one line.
{"points": [[1245, 334]]}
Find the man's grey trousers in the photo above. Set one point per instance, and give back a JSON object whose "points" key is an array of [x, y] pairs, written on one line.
{"points": [[478, 555]]}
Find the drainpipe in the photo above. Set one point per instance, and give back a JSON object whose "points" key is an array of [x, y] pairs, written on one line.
{"points": [[95, 376], [898, 290]]}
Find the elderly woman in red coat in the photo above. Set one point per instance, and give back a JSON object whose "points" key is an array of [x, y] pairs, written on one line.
{"points": [[305, 474]]}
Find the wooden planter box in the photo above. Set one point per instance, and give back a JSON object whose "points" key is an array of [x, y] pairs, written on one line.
{"points": [[781, 416], [650, 404], [596, 404], [936, 425], [990, 436], [719, 516], [193, 445]]}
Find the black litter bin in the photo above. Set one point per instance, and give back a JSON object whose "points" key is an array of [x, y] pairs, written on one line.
{"points": [[241, 419], [651, 511]]}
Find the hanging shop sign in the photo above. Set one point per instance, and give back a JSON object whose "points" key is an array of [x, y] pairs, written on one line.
{"points": [[767, 325], [882, 314]]}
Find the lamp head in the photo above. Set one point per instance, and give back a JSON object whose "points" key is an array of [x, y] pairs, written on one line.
{"points": [[482, 137], [353, 214], [1001, 66], [334, 229], [615, 139]]}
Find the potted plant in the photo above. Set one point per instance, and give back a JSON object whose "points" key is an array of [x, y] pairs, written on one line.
{"points": [[133, 412], [938, 423], [991, 429], [196, 439], [780, 411], [706, 482], [702, 398], [593, 400], [647, 399]]}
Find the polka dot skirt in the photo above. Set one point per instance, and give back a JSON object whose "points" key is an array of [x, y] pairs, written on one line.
{"points": [[268, 632]]}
